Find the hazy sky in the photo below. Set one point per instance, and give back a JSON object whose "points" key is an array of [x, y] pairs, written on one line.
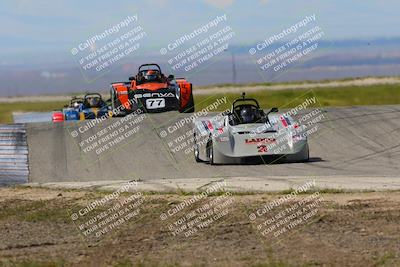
{"points": [[55, 25]]}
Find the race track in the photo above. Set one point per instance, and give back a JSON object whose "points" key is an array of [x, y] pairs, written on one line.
{"points": [[353, 141]]}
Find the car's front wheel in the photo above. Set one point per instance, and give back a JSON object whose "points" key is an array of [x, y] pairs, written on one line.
{"points": [[196, 150], [210, 153]]}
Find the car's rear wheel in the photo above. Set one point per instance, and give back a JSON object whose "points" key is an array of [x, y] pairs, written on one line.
{"points": [[305, 154], [115, 104], [308, 155], [113, 100], [301, 156], [189, 108]]}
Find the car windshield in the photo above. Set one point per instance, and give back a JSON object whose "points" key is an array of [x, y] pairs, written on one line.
{"points": [[245, 114]]}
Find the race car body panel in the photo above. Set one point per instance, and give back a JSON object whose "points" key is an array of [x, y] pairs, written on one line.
{"points": [[152, 101], [120, 91], [186, 92], [151, 91], [71, 114], [220, 141], [91, 106], [58, 116], [151, 86]]}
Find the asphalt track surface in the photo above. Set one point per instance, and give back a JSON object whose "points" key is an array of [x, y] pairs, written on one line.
{"points": [[351, 141]]}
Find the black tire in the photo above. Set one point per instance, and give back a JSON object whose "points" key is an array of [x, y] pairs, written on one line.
{"points": [[196, 151], [210, 152], [115, 103], [308, 156], [113, 100], [190, 105], [301, 156]]}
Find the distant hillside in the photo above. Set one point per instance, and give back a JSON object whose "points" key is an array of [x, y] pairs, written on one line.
{"points": [[332, 60]]}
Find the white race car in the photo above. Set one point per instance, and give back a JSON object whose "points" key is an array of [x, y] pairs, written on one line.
{"points": [[246, 132]]}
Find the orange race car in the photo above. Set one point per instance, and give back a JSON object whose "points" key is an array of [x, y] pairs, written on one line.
{"points": [[151, 91]]}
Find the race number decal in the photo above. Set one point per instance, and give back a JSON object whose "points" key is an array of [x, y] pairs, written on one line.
{"points": [[262, 148], [154, 103]]}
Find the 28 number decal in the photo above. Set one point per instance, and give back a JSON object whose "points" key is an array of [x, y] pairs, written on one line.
{"points": [[262, 148]]}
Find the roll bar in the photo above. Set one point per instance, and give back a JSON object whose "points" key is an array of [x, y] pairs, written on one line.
{"points": [[244, 99], [92, 94], [150, 64]]}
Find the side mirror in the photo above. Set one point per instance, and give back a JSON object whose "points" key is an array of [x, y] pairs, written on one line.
{"points": [[132, 78], [274, 110], [171, 77]]}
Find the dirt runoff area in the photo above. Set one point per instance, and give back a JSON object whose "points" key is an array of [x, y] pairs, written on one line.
{"points": [[43, 227]]}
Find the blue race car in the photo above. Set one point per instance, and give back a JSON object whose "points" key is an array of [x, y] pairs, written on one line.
{"points": [[91, 106]]}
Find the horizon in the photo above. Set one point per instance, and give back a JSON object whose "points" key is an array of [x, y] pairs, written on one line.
{"points": [[44, 42]]}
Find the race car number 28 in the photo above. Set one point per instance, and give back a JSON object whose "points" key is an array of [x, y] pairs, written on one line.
{"points": [[153, 103], [262, 148]]}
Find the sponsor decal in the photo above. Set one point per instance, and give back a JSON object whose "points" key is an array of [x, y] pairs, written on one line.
{"points": [[224, 139], [205, 125], [285, 121], [155, 94], [154, 103], [210, 126], [260, 140]]}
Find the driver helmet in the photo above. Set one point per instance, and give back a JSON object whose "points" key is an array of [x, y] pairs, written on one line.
{"points": [[248, 115], [94, 101], [151, 75], [76, 105]]}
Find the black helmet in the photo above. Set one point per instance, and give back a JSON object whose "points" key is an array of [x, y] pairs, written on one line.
{"points": [[248, 115], [94, 102], [151, 75]]}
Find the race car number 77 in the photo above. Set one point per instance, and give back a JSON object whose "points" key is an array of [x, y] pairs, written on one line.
{"points": [[153, 103]]}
